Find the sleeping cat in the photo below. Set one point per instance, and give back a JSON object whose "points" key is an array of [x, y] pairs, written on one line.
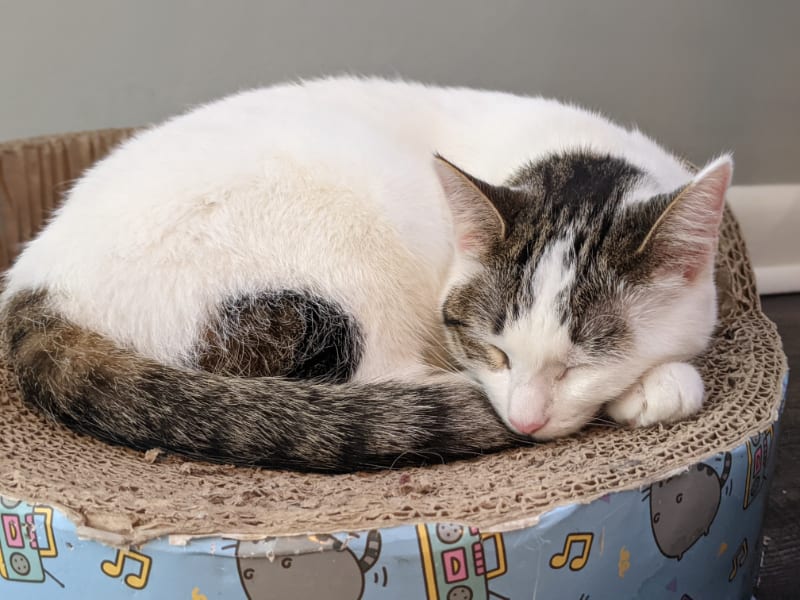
{"points": [[352, 273]]}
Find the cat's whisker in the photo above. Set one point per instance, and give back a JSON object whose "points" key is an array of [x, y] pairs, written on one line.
{"points": [[603, 422], [443, 358]]}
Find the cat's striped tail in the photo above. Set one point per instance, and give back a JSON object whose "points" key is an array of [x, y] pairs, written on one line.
{"points": [[93, 386]]}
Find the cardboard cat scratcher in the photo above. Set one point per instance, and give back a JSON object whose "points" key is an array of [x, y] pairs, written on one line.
{"points": [[668, 512]]}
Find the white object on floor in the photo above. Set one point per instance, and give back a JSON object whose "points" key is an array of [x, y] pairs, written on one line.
{"points": [[770, 220]]}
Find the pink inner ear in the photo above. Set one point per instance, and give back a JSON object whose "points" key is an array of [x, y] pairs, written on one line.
{"points": [[687, 258], [691, 227], [475, 219], [691, 271], [468, 242]]}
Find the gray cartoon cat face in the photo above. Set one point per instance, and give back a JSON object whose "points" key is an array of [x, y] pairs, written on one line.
{"points": [[682, 509], [304, 568]]}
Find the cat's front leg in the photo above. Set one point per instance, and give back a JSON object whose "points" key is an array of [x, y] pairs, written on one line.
{"points": [[666, 393]]}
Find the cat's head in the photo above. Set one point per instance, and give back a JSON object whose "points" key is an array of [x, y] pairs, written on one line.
{"points": [[573, 279]]}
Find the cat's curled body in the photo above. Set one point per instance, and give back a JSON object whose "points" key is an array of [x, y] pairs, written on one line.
{"points": [[287, 276]]}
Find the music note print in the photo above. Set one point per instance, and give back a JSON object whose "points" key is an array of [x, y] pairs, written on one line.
{"points": [[738, 560], [557, 561], [114, 568]]}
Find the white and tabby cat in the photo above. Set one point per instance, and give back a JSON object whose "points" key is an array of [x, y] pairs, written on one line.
{"points": [[348, 273]]}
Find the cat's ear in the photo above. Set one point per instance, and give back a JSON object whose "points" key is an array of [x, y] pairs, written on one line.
{"points": [[684, 237], [477, 221]]}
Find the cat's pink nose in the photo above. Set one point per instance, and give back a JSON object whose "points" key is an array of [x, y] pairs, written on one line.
{"points": [[528, 427]]}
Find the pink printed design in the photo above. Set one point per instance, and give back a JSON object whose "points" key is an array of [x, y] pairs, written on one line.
{"points": [[454, 563], [13, 531]]}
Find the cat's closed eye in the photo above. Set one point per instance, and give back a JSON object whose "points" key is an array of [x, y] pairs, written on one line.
{"points": [[451, 321]]}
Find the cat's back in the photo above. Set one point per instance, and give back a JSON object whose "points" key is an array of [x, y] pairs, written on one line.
{"points": [[289, 187], [354, 130], [322, 122], [359, 125], [273, 146]]}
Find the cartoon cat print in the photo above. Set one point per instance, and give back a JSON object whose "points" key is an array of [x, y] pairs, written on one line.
{"points": [[305, 568], [683, 507]]}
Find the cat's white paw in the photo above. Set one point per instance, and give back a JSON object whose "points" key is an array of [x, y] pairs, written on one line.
{"points": [[667, 393]]}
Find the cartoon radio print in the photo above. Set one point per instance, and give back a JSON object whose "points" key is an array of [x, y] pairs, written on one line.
{"points": [[758, 449], [455, 562], [27, 538]]}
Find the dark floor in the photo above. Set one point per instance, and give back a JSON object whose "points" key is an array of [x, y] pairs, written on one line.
{"points": [[780, 573]]}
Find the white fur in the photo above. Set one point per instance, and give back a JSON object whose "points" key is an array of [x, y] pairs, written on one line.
{"points": [[326, 185], [667, 393], [539, 343]]}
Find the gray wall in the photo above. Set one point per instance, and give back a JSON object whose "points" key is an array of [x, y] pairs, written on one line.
{"points": [[702, 76]]}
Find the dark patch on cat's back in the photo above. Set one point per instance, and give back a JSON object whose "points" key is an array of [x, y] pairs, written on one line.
{"points": [[286, 333]]}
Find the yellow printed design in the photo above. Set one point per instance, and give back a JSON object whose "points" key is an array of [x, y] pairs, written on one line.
{"points": [[624, 562], [738, 560], [138, 580], [26, 537], [196, 595], [584, 539], [456, 561]]}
